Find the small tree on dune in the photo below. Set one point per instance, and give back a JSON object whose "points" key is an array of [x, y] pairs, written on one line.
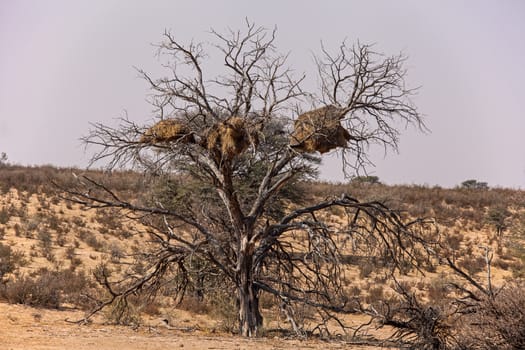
{"points": [[230, 152]]}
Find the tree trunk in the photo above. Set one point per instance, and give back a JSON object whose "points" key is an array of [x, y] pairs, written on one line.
{"points": [[250, 318]]}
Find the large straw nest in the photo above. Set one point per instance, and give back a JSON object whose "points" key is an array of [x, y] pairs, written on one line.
{"points": [[228, 138], [319, 130], [168, 130]]}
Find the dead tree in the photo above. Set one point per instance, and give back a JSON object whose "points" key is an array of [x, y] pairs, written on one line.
{"points": [[232, 168]]}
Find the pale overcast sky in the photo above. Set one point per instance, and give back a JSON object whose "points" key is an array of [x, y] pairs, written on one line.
{"points": [[66, 63]]}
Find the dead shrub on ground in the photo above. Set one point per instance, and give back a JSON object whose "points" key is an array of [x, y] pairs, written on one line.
{"points": [[496, 323]]}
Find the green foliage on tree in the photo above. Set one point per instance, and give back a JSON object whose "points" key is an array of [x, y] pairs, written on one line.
{"points": [[474, 185], [499, 218]]}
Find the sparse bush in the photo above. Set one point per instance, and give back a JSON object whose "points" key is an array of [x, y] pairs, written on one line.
{"points": [[61, 239], [75, 262], [194, 305], [78, 221], [151, 308], [116, 252], [502, 264], [109, 220], [47, 289], [497, 323], [499, 217], [453, 241], [438, 290], [375, 294], [53, 222], [70, 252], [41, 291], [46, 245], [5, 215], [472, 264], [30, 227], [45, 239], [18, 231], [10, 260], [225, 309], [91, 240], [124, 311]]}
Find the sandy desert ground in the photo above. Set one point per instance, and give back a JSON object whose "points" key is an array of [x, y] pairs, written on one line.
{"points": [[24, 328]]}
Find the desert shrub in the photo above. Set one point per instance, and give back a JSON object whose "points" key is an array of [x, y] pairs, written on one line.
{"points": [[45, 239], [124, 311], [20, 211], [74, 263], [46, 244], [502, 264], [453, 240], [30, 227], [70, 252], [223, 307], [61, 239], [109, 220], [116, 252], [33, 251], [500, 218], [267, 300], [48, 289], [10, 260], [497, 323], [354, 291], [18, 230], [5, 215], [41, 291], [78, 221], [375, 294], [53, 222], [193, 304], [91, 240], [152, 308], [473, 265], [438, 290]]}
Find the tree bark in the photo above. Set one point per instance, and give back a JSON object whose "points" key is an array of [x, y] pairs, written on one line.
{"points": [[250, 318]]}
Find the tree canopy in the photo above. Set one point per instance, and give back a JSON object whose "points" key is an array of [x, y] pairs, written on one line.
{"points": [[226, 157]]}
